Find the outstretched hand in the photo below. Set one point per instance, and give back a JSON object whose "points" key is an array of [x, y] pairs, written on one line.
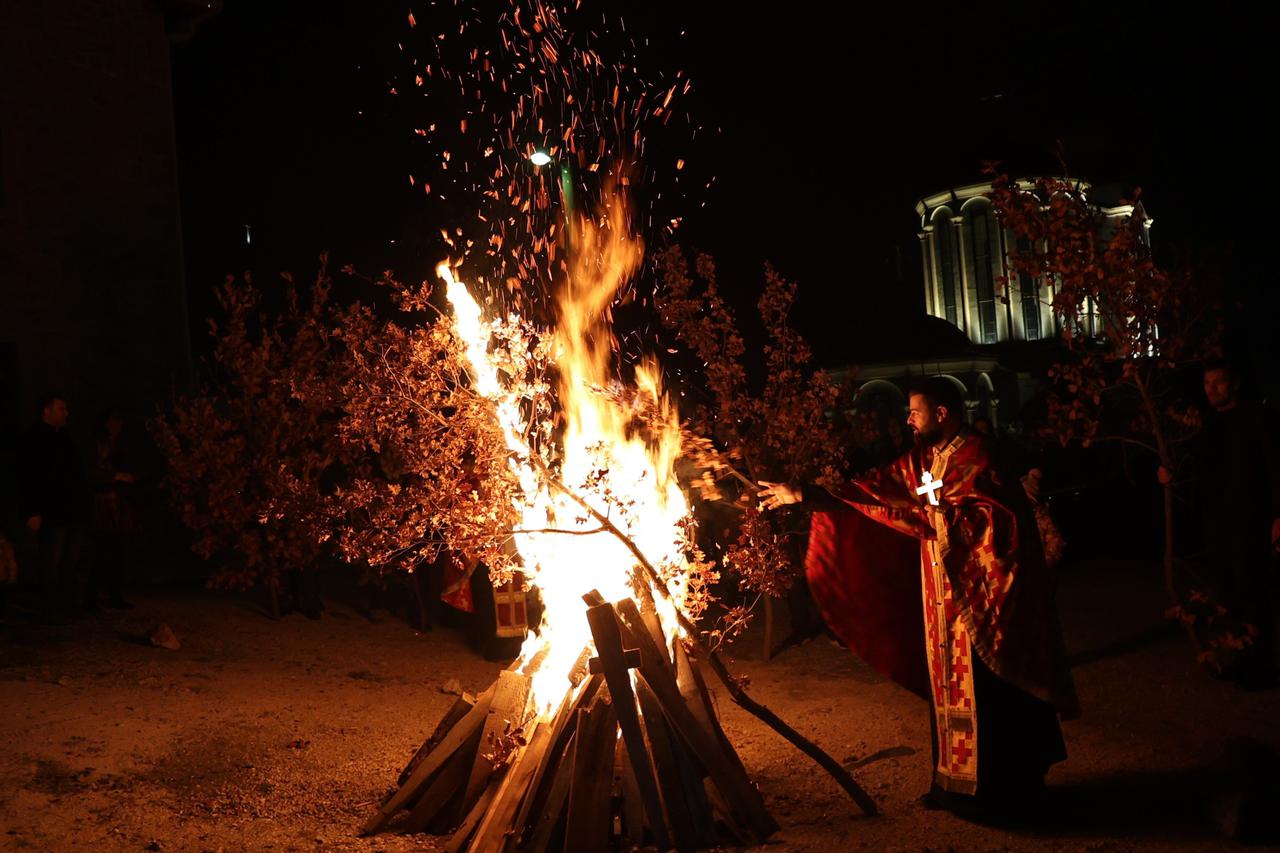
{"points": [[774, 495]]}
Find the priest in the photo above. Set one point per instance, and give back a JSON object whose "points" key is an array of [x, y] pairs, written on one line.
{"points": [[995, 674]]}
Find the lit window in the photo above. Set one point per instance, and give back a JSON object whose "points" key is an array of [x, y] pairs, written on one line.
{"points": [[945, 237], [1029, 289], [978, 215]]}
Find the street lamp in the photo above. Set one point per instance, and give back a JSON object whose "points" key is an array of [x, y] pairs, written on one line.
{"points": [[541, 158]]}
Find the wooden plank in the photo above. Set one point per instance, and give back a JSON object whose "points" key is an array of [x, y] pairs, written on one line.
{"points": [[740, 833], [563, 725], [693, 775], [693, 687], [499, 822], [630, 660], [632, 806], [725, 771], [443, 787], [615, 789], [421, 775], [589, 819], [637, 622], [510, 698], [456, 712], [558, 796], [541, 757], [608, 638], [691, 772], [683, 835], [459, 839], [654, 624], [692, 779], [581, 667], [450, 816], [534, 664]]}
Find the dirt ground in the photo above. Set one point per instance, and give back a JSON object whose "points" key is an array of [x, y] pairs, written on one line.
{"points": [[262, 735]]}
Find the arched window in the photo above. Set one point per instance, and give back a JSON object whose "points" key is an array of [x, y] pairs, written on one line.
{"points": [[982, 235], [1089, 318], [930, 297], [986, 407], [1029, 288], [944, 236], [879, 394]]}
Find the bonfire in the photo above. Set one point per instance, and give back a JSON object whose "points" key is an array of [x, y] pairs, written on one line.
{"points": [[603, 731]]}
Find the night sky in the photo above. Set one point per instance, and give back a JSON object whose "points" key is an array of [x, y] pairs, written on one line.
{"points": [[822, 130]]}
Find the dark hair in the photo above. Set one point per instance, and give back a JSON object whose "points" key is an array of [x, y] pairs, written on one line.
{"points": [[100, 424], [1221, 363], [44, 401], [941, 391]]}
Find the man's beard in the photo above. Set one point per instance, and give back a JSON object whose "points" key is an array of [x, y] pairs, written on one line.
{"points": [[927, 438]]}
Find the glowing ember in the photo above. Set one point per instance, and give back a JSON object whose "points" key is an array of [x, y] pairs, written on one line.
{"points": [[616, 471]]}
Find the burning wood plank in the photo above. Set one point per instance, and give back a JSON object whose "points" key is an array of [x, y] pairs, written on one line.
{"points": [[456, 712], [673, 795], [564, 727], [523, 777], [506, 711], [554, 807], [588, 821], [654, 743], [629, 792], [726, 773], [491, 836], [608, 637], [440, 805], [463, 732]]}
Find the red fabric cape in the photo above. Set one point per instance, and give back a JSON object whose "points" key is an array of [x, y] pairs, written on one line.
{"points": [[865, 578]]}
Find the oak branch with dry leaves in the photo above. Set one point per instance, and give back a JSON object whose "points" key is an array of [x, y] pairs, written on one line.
{"points": [[787, 425], [319, 426], [1130, 327], [249, 453]]}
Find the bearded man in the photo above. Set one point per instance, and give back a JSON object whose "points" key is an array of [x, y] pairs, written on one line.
{"points": [[995, 674]]}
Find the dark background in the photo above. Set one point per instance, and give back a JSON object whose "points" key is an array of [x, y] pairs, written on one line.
{"points": [[823, 128]]}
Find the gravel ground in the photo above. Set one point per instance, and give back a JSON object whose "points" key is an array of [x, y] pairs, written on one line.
{"points": [[263, 735]]}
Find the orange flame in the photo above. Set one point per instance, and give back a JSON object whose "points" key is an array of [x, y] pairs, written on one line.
{"points": [[616, 471]]}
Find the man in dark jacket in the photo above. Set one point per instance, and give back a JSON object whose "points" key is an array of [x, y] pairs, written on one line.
{"points": [[54, 498], [1236, 469], [1233, 474]]}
